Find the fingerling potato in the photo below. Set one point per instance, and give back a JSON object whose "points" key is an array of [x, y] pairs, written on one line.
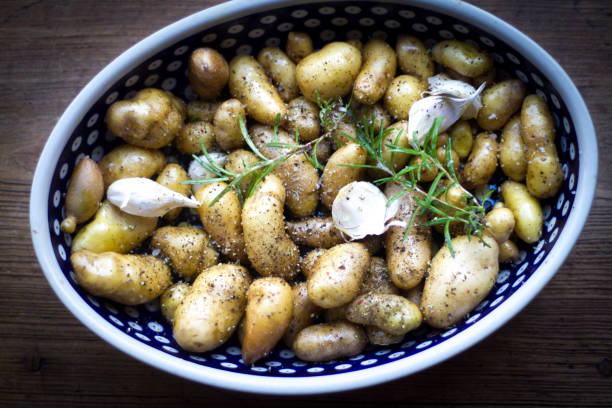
{"points": [[413, 58], [299, 45], [499, 223], [208, 73], [403, 91], [394, 314], [305, 313], [512, 151], [189, 138], [377, 72], [172, 298], [317, 232], [130, 161], [482, 162], [462, 57], [227, 126], [335, 175], [201, 111], [329, 341], [172, 176], [499, 103], [238, 162], [309, 260], [85, 191], [281, 70], [526, 209], [303, 117]]}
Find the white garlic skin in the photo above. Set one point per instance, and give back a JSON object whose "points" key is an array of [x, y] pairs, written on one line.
{"points": [[146, 198]]}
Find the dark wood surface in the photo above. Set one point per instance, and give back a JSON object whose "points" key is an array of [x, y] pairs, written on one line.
{"points": [[557, 352]]}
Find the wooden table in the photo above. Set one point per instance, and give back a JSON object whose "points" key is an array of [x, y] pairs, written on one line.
{"points": [[557, 352]]}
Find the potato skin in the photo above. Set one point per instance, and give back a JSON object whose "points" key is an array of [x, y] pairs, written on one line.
{"points": [[130, 161], [112, 230], [336, 176], [303, 115], [201, 111], [305, 313], [151, 119], [377, 278], [380, 337], [212, 309], [269, 248], [413, 58], [299, 176], [394, 314], [461, 138], [226, 125], [456, 285], [208, 73], [329, 341], [172, 176], [482, 162], [172, 298], [299, 45], [500, 102], [309, 260], [249, 83], [188, 248], [508, 252], [222, 221], [127, 279], [281, 70], [512, 151], [407, 259], [377, 71], [403, 91], [268, 314], [499, 223], [544, 173], [526, 209], [330, 71], [316, 232], [237, 162], [189, 138], [338, 275], [462, 57], [85, 191]]}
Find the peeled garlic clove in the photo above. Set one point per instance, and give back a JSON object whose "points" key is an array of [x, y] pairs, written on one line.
{"points": [[196, 171], [360, 209], [451, 108], [146, 198]]}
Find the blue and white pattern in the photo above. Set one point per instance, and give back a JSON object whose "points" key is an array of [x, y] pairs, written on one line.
{"points": [[339, 21]]}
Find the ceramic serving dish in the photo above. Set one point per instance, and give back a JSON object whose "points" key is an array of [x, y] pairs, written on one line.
{"points": [[244, 27]]}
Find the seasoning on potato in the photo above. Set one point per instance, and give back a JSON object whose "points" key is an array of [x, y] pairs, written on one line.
{"points": [[208, 72]]}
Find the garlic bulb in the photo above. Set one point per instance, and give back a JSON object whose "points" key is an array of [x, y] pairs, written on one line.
{"points": [[196, 171], [146, 198], [360, 209], [450, 99]]}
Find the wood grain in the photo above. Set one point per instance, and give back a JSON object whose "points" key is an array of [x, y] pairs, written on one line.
{"points": [[557, 352]]}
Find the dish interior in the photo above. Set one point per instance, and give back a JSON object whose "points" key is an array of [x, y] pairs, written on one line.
{"points": [[324, 22]]}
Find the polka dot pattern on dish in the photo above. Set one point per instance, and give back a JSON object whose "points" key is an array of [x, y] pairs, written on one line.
{"points": [[334, 21]]}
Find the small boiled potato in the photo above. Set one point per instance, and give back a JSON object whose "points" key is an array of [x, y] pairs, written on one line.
{"points": [[499, 204], [508, 252], [303, 115], [377, 278], [442, 140], [424, 174], [112, 230], [441, 155], [188, 248], [500, 102], [335, 175], [338, 275], [212, 309], [299, 176], [526, 209], [208, 73], [461, 138], [189, 138], [299, 45], [249, 83], [227, 126], [151, 119], [238, 162], [408, 255], [281, 70], [377, 71], [130, 161], [268, 314], [222, 221], [394, 314], [512, 151], [403, 91], [309, 260], [329, 71], [269, 248], [201, 111], [382, 338], [172, 176], [323, 150], [172, 298], [305, 313], [329, 341], [345, 133], [396, 135], [335, 314], [462, 57], [413, 58], [317, 232], [544, 173], [482, 162], [127, 279], [374, 114], [499, 223], [456, 285], [85, 191], [356, 42]]}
